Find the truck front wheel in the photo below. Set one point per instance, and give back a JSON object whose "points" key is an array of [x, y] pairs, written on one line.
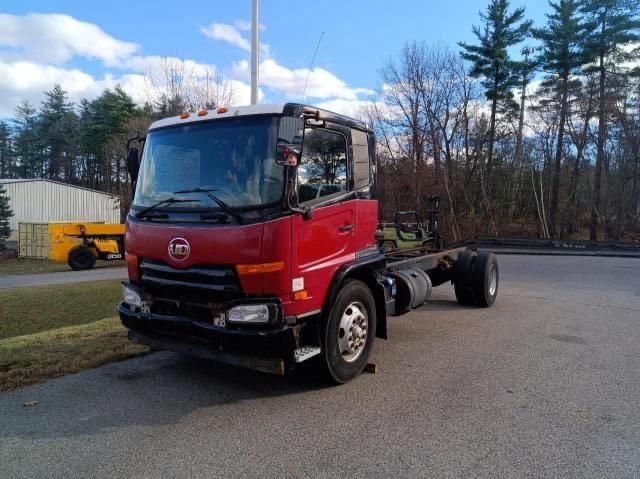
{"points": [[349, 332]]}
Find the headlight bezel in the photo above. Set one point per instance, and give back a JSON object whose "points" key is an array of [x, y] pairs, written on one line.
{"points": [[131, 296], [252, 313]]}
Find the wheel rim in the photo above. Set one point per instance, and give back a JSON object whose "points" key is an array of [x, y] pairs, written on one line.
{"points": [[353, 331], [493, 279]]}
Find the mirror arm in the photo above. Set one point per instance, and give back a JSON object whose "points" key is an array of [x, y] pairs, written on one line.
{"points": [[305, 212]]}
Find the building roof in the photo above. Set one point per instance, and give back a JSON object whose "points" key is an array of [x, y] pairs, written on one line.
{"points": [[6, 181]]}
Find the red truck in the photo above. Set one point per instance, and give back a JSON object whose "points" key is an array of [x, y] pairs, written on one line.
{"points": [[250, 241]]}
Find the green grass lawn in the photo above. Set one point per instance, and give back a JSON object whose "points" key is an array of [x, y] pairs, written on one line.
{"points": [[31, 310], [34, 266], [49, 331]]}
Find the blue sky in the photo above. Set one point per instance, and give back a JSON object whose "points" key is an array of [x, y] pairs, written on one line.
{"points": [[359, 36]]}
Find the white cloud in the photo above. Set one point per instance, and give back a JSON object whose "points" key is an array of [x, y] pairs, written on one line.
{"points": [[23, 80], [35, 51], [352, 108], [245, 25], [156, 65], [242, 92], [322, 83], [231, 34], [226, 33], [56, 38]]}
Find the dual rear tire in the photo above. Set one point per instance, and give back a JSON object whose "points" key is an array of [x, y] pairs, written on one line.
{"points": [[476, 279]]}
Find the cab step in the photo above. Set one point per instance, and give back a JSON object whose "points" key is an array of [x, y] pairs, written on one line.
{"points": [[305, 352]]}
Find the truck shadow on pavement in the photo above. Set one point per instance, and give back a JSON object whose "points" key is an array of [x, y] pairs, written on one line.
{"points": [[155, 390], [164, 388]]}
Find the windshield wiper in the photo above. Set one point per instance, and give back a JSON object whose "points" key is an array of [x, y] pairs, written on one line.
{"points": [[167, 201], [223, 206]]}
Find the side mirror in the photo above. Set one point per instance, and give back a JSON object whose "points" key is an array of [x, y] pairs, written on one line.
{"points": [[290, 135], [133, 164], [133, 158]]}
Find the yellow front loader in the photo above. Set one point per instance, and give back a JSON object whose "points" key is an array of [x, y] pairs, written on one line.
{"points": [[81, 244]]}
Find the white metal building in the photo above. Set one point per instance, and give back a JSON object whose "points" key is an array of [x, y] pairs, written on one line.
{"points": [[47, 201]]}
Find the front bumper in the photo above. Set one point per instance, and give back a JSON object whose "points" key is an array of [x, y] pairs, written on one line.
{"points": [[264, 350]]}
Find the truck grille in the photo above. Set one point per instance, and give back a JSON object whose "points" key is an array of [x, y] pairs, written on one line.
{"points": [[201, 278]]}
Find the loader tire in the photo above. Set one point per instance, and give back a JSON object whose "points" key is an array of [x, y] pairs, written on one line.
{"points": [[81, 258]]}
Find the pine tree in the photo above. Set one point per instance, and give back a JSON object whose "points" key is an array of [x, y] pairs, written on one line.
{"points": [[27, 141], [6, 151], [561, 58], [100, 120], [57, 125], [490, 60], [5, 214], [613, 27]]}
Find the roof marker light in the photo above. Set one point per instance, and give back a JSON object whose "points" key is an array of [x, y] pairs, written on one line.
{"points": [[184, 115], [202, 112], [222, 109]]}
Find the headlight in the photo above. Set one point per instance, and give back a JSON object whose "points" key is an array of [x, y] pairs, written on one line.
{"points": [[249, 313], [131, 297]]}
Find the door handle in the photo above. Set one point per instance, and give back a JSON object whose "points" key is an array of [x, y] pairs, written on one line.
{"points": [[345, 228]]}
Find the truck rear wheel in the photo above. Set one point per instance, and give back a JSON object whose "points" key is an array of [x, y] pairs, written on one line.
{"points": [[462, 277], [81, 258], [349, 333], [484, 279]]}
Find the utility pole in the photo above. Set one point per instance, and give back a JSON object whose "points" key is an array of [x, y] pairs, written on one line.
{"points": [[255, 46]]}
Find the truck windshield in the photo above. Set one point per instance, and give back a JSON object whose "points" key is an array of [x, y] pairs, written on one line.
{"points": [[234, 158]]}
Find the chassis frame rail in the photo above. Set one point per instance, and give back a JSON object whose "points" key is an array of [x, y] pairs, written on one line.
{"points": [[551, 247]]}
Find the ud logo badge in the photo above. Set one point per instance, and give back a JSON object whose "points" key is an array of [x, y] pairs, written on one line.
{"points": [[179, 249]]}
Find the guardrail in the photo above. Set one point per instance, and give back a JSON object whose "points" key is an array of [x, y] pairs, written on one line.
{"points": [[551, 247]]}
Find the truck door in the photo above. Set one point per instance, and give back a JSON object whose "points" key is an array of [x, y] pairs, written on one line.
{"points": [[324, 242]]}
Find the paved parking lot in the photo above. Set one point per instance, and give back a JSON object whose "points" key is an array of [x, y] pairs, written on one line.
{"points": [[544, 384]]}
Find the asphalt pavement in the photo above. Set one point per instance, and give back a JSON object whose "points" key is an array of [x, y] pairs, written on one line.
{"points": [[63, 277], [544, 384]]}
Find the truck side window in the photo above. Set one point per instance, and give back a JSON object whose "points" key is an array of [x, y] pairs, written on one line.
{"points": [[323, 167]]}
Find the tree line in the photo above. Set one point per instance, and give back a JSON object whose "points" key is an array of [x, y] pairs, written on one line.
{"points": [[530, 130]]}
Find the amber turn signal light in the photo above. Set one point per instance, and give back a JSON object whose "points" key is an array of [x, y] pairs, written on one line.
{"points": [[247, 269], [133, 266], [301, 295]]}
